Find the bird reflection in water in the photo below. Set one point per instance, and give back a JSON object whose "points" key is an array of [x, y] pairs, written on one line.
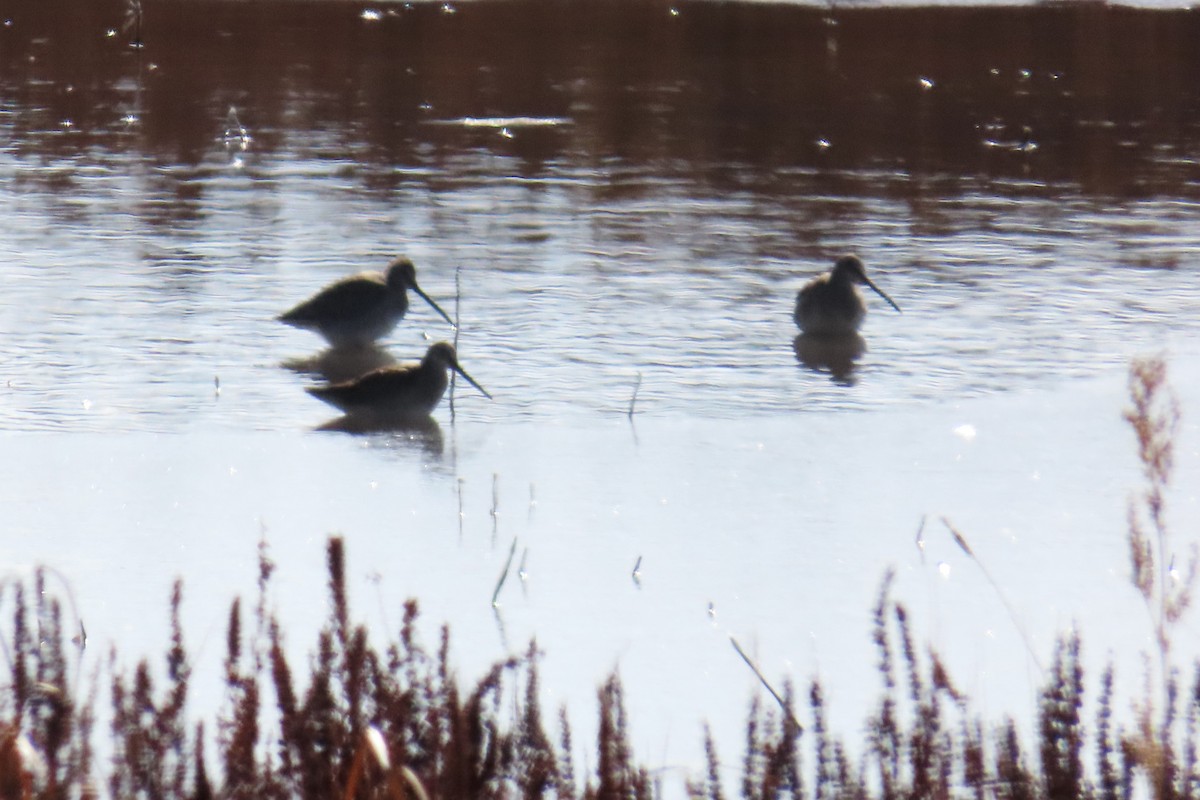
{"points": [[341, 364], [423, 434], [835, 355]]}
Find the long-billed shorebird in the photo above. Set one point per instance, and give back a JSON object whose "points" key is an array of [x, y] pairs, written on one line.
{"points": [[361, 308], [831, 304], [399, 392]]}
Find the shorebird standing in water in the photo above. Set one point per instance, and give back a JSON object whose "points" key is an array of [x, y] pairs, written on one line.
{"points": [[831, 304], [359, 309], [401, 393]]}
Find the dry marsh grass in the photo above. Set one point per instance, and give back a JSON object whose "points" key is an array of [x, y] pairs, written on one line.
{"points": [[393, 720]]}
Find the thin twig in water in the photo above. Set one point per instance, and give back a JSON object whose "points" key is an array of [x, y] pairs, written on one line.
{"points": [[633, 399], [522, 573], [966, 548], [962, 543], [921, 537], [783, 705], [504, 574], [457, 305], [457, 301], [460, 508], [133, 21], [495, 511]]}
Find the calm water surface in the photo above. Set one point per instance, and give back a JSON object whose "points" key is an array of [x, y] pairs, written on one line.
{"points": [[601, 193]]}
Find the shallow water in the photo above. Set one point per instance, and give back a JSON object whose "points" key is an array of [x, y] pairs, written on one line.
{"points": [[660, 221], [609, 196]]}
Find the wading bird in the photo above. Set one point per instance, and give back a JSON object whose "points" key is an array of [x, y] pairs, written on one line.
{"points": [[831, 304], [359, 309], [408, 392]]}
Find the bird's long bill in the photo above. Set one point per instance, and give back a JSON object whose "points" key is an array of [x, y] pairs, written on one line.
{"points": [[471, 380], [881, 293], [436, 307]]}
